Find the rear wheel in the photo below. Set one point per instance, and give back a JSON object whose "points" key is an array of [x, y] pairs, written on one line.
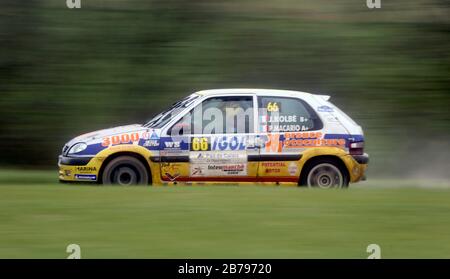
{"points": [[325, 173], [125, 170]]}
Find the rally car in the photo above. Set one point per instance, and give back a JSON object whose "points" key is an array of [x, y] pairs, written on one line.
{"points": [[226, 136]]}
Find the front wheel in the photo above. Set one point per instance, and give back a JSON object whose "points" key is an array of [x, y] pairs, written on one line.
{"points": [[325, 174], [125, 170]]}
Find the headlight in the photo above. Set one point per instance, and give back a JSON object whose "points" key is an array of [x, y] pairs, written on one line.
{"points": [[78, 147]]}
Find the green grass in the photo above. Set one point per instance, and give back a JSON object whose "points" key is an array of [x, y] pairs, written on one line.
{"points": [[39, 220]]}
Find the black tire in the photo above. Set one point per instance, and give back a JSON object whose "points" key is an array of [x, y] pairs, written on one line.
{"points": [[125, 170], [324, 173]]}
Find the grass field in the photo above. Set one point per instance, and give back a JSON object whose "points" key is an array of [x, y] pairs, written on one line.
{"points": [[39, 218]]}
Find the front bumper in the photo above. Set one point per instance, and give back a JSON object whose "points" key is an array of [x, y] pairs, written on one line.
{"points": [[78, 169], [74, 161]]}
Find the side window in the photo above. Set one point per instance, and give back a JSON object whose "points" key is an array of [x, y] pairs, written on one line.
{"points": [[182, 126], [284, 114], [218, 115]]}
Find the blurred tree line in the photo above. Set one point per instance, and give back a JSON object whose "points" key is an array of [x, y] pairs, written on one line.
{"points": [[65, 71]]}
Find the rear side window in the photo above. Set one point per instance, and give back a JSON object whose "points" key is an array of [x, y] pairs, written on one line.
{"points": [[343, 114], [285, 114]]}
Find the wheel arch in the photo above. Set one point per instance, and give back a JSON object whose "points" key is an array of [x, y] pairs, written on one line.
{"points": [[138, 156], [312, 160]]}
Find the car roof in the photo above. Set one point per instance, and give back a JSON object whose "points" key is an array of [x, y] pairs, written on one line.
{"points": [[274, 92]]}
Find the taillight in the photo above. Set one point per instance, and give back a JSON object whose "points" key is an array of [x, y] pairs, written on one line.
{"points": [[356, 148]]}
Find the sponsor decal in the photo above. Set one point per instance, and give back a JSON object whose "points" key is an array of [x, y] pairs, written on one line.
{"points": [[171, 170], [293, 168], [84, 169], [154, 136], [120, 139], [150, 135], [278, 142], [348, 138], [229, 143], [307, 135], [273, 164], [172, 145], [145, 135], [325, 109], [300, 140], [86, 176], [273, 143], [218, 169], [197, 171], [218, 157], [273, 167], [151, 143], [175, 144], [234, 169], [272, 170]]}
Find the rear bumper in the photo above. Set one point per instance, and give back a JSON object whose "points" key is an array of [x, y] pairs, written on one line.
{"points": [[361, 159], [357, 166]]}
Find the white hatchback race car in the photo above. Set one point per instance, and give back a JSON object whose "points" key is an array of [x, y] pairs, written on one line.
{"points": [[243, 136]]}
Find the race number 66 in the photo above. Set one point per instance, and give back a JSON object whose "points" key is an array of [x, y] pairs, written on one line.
{"points": [[200, 144]]}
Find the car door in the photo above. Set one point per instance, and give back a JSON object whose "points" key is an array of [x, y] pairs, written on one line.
{"points": [[287, 126], [220, 132]]}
